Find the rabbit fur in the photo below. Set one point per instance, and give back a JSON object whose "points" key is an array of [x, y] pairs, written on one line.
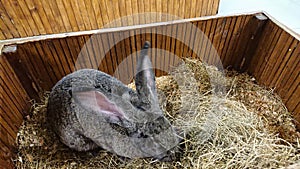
{"points": [[89, 109]]}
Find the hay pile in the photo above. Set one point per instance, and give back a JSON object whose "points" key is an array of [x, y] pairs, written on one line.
{"points": [[230, 122]]}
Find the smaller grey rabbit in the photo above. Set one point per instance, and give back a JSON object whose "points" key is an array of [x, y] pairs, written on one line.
{"points": [[89, 109]]}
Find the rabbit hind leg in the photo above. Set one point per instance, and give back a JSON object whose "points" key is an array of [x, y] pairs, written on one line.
{"points": [[77, 141]]}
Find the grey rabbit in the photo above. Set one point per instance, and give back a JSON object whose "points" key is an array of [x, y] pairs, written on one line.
{"points": [[89, 109]]}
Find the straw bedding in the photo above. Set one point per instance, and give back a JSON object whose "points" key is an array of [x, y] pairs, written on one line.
{"points": [[229, 121]]}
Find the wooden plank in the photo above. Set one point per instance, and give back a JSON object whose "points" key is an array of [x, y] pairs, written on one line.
{"points": [[206, 41], [13, 93], [35, 17], [5, 155], [130, 58], [28, 17], [8, 115], [233, 40], [289, 71], [5, 30], [278, 47], [97, 55], [296, 116], [63, 58], [84, 14], [122, 67], [135, 12], [7, 132], [293, 100], [141, 10], [15, 12], [6, 164], [64, 15], [203, 8], [218, 42], [224, 38], [38, 49], [68, 55], [199, 37], [101, 57], [78, 16], [113, 55], [269, 51], [235, 57], [168, 48], [42, 66], [23, 74], [6, 70], [6, 24], [97, 12], [51, 15], [193, 8], [86, 51], [92, 52], [248, 42], [2, 36], [292, 84], [215, 7], [69, 18], [91, 14], [209, 7], [280, 61], [108, 59], [192, 30], [42, 16], [258, 57], [11, 103], [210, 48]]}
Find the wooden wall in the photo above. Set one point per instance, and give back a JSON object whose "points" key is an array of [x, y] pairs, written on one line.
{"points": [[249, 43], [22, 18], [276, 64]]}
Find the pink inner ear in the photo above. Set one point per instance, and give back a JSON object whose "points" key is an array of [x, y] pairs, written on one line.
{"points": [[97, 102]]}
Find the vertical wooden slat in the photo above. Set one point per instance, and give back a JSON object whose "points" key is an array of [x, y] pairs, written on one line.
{"points": [[236, 51], [5, 155], [233, 40], [205, 41], [9, 13], [97, 12], [35, 16], [14, 81], [23, 73], [15, 12], [5, 31], [53, 21], [6, 25], [91, 14], [64, 15], [42, 16], [29, 18], [289, 71], [223, 37], [269, 64], [293, 99], [212, 43], [281, 60]]}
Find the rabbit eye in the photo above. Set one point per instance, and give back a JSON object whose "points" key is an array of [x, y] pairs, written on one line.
{"points": [[70, 92], [120, 129]]}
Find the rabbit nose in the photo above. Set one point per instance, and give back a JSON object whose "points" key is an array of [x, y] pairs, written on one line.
{"points": [[146, 45]]}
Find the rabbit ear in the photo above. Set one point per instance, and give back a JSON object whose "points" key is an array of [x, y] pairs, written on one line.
{"points": [[97, 102], [145, 79]]}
